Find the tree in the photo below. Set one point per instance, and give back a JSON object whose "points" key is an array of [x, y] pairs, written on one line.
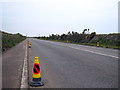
{"points": [[92, 35], [84, 31]]}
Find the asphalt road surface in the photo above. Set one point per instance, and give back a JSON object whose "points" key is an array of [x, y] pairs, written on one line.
{"points": [[63, 65], [67, 65]]}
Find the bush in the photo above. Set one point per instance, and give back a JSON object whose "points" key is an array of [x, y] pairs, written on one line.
{"points": [[10, 40]]}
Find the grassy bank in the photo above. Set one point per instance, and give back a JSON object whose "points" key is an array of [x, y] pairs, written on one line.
{"points": [[101, 44], [10, 40]]}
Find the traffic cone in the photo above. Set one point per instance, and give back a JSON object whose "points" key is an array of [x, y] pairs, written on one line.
{"points": [[29, 45], [28, 42], [36, 81], [98, 44]]}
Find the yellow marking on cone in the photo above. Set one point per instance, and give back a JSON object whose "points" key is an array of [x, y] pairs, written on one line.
{"points": [[36, 69], [98, 44], [36, 81], [28, 42], [29, 45]]}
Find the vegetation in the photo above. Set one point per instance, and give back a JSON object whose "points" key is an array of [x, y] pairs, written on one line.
{"points": [[10, 40], [105, 40]]}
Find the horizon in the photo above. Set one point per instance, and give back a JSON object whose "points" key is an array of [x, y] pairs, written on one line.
{"points": [[57, 34], [58, 17]]}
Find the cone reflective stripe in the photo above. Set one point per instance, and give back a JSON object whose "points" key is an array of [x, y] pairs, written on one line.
{"points": [[36, 81]]}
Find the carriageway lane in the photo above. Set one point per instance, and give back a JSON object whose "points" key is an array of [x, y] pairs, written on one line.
{"points": [[106, 51], [73, 66]]}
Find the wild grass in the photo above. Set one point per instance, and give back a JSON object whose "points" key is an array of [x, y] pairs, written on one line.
{"points": [[10, 40]]}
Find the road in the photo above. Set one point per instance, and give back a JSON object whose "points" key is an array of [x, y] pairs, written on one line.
{"points": [[70, 66], [63, 65]]}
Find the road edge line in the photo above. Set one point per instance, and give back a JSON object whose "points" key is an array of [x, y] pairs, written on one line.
{"points": [[24, 79], [95, 52]]}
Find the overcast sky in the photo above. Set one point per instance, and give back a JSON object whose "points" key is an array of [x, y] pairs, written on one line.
{"points": [[46, 17]]}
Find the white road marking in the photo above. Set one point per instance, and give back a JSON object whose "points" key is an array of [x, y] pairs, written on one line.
{"points": [[24, 80], [94, 52], [86, 50]]}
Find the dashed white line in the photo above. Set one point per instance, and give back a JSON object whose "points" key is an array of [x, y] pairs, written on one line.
{"points": [[24, 79]]}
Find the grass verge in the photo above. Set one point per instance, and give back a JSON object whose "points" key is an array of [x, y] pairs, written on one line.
{"points": [[89, 44]]}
